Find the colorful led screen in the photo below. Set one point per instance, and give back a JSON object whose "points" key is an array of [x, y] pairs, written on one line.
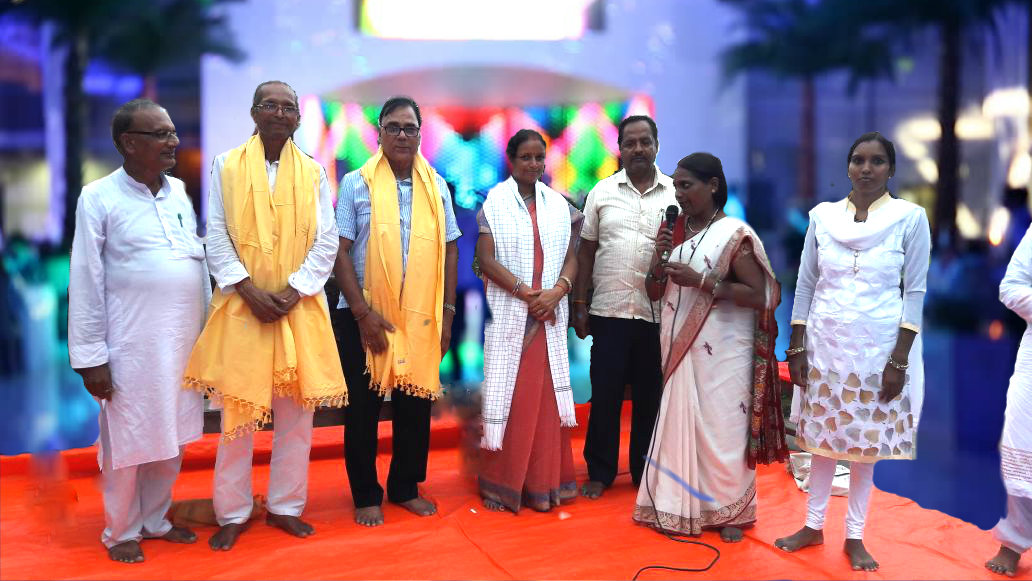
{"points": [[467, 145]]}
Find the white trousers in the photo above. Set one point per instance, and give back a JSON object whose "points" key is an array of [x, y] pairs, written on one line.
{"points": [[136, 498], [1015, 530], [861, 482], [288, 468]]}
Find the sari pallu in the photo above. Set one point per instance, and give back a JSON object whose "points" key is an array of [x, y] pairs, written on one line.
{"points": [[718, 395], [767, 422]]}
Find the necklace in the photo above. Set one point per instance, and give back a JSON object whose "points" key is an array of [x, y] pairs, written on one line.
{"points": [[688, 223]]}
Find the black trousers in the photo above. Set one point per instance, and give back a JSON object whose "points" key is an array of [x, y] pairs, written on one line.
{"points": [[410, 422], [623, 351]]}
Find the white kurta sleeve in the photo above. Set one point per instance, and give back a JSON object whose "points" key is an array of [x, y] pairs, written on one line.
{"points": [[917, 249], [223, 261], [311, 277], [806, 283], [87, 306], [1016, 286]]}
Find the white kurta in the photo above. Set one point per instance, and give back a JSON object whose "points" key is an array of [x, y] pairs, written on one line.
{"points": [[136, 300], [1016, 442], [854, 273], [226, 267]]}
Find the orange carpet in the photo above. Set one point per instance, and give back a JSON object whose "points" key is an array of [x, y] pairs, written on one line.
{"points": [[52, 532]]}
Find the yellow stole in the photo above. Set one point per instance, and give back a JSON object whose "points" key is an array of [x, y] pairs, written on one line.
{"points": [[238, 360], [410, 300]]}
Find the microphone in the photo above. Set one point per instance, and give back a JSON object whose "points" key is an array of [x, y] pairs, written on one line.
{"points": [[671, 217]]}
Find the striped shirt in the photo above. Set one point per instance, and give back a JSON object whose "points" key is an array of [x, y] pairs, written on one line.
{"points": [[624, 222], [353, 219]]}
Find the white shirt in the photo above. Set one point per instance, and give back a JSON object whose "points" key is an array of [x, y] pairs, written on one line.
{"points": [[624, 222], [225, 265], [137, 297]]}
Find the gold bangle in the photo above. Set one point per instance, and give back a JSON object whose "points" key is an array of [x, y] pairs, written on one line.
{"points": [[569, 283], [579, 301], [793, 351]]}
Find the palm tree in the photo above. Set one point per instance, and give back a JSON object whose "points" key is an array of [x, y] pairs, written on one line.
{"points": [[802, 39], [161, 35], [76, 23], [97, 28], [953, 19]]}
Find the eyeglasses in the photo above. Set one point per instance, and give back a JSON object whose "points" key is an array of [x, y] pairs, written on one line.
{"points": [[272, 108], [163, 135], [392, 129]]}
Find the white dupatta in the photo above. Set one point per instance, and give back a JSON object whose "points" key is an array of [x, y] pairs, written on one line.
{"points": [[513, 235]]}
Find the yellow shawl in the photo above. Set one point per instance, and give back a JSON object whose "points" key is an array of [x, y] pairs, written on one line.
{"points": [[238, 360], [412, 359]]}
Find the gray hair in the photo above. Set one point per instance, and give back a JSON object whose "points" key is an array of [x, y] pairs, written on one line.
{"points": [[123, 118]]}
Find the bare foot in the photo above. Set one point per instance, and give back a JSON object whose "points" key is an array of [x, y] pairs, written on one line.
{"points": [[859, 558], [180, 535], [804, 537], [592, 489], [731, 534], [1005, 562], [127, 552], [369, 516], [493, 505], [226, 536], [290, 524], [420, 506]]}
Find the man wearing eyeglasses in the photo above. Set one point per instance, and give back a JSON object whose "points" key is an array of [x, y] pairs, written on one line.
{"points": [[393, 321], [267, 351], [136, 303]]}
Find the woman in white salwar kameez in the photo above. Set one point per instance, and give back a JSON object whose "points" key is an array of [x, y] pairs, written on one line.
{"points": [[855, 349], [720, 413], [1014, 532]]}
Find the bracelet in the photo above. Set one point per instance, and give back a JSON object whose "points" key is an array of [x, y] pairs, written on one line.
{"points": [[363, 315], [793, 351], [715, 284], [449, 307], [898, 365], [569, 283], [516, 288], [579, 301]]}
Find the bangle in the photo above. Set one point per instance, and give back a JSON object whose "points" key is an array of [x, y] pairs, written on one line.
{"points": [[579, 301], [793, 351], [898, 365], [363, 315], [569, 283], [449, 307], [516, 288], [713, 291]]}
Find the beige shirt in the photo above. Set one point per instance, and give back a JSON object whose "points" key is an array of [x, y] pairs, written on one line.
{"points": [[624, 222]]}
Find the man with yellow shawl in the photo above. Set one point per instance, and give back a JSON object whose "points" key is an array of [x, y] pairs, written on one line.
{"points": [[267, 351], [397, 270]]}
